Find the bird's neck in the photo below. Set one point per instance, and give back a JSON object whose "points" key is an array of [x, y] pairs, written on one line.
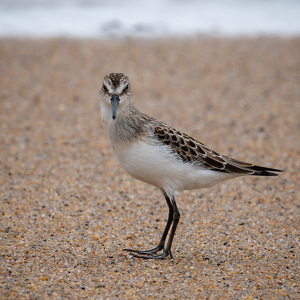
{"points": [[127, 126]]}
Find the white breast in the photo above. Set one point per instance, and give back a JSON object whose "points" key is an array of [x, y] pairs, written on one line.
{"points": [[157, 165]]}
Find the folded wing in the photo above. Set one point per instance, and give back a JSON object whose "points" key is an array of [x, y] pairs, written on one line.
{"points": [[190, 150]]}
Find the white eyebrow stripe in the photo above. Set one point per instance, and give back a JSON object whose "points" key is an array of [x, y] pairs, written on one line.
{"points": [[121, 87], [118, 90], [110, 90], [109, 87]]}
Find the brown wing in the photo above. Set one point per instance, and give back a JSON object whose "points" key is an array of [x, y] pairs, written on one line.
{"points": [[190, 150]]}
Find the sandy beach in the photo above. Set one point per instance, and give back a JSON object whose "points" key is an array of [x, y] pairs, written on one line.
{"points": [[67, 208]]}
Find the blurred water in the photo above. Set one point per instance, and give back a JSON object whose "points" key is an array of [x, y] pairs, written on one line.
{"points": [[101, 18]]}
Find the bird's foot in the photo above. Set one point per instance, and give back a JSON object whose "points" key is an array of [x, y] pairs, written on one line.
{"points": [[150, 254], [150, 251]]}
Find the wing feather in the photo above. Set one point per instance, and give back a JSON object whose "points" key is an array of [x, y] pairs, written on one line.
{"points": [[192, 151]]}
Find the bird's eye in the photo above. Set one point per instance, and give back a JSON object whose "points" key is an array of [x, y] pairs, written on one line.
{"points": [[104, 88], [126, 87]]}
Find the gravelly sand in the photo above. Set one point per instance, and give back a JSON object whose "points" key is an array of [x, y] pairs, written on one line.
{"points": [[67, 207]]}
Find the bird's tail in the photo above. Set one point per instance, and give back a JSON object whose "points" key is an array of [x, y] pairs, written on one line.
{"points": [[253, 169]]}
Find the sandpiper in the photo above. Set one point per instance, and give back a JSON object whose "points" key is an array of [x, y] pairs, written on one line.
{"points": [[160, 155]]}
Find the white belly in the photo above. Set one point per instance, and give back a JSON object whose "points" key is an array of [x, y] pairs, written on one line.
{"points": [[156, 165]]}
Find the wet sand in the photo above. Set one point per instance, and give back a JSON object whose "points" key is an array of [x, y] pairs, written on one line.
{"points": [[67, 209]]}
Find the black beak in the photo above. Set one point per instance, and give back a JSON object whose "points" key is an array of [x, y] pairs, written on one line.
{"points": [[114, 100]]}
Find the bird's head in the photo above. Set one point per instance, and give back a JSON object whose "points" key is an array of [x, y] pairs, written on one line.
{"points": [[116, 93]]}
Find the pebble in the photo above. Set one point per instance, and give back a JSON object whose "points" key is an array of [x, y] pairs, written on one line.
{"points": [[67, 209]]}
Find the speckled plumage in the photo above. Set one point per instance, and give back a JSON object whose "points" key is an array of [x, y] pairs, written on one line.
{"points": [[158, 154], [136, 125], [190, 150]]}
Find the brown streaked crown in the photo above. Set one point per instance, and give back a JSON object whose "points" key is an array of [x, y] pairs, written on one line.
{"points": [[117, 78]]}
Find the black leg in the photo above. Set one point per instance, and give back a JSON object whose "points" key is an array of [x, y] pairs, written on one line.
{"points": [[161, 243], [176, 218], [167, 250]]}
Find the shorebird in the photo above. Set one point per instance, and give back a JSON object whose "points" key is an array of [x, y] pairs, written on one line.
{"points": [[160, 155]]}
